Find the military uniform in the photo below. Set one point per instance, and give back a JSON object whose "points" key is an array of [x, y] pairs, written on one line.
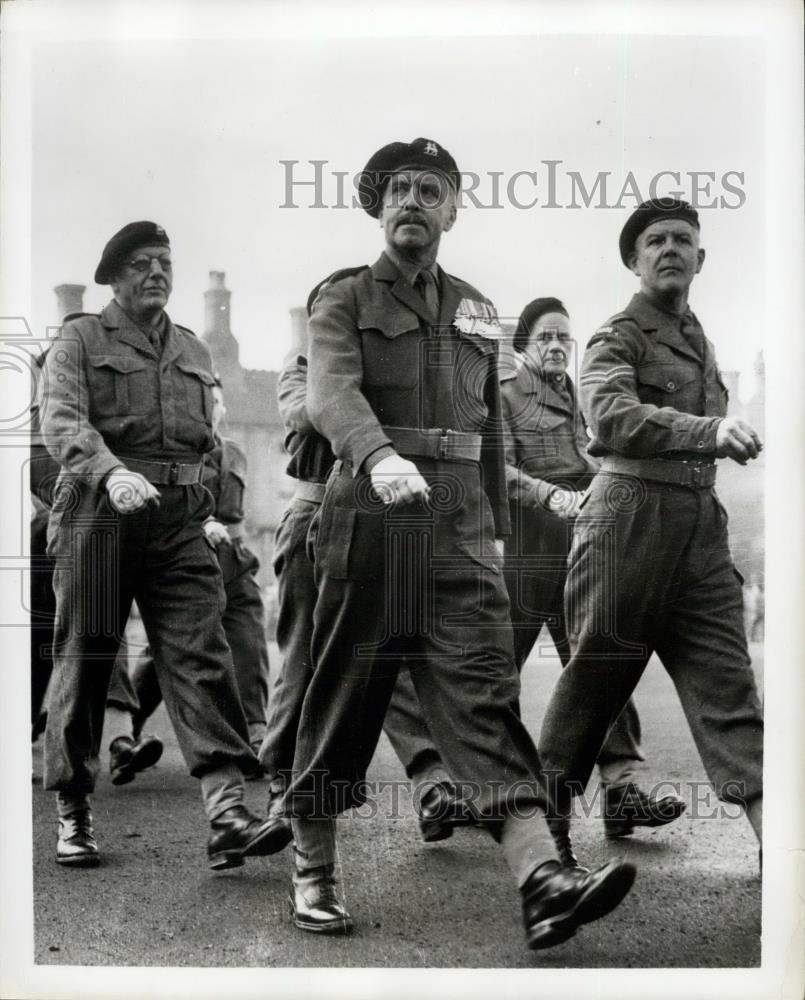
{"points": [[546, 446], [244, 616], [650, 568], [420, 583], [112, 401], [310, 464]]}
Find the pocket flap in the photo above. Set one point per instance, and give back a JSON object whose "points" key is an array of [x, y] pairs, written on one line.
{"points": [[118, 362], [667, 377], [200, 373], [390, 324]]}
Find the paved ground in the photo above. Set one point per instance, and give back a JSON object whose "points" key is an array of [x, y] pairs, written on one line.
{"points": [[154, 902]]}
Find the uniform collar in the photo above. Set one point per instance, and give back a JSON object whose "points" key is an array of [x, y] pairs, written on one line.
{"points": [[532, 379], [114, 318], [384, 269], [667, 326]]}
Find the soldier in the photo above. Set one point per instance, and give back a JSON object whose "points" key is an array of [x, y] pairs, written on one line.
{"points": [[310, 465], [650, 568], [404, 384], [139, 695], [127, 415], [547, 471]]}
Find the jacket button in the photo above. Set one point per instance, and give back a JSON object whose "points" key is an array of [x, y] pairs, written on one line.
{"points": [[672, 385], [701, 444]]}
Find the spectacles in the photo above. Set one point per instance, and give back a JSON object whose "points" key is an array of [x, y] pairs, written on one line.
{"points": [[143, 263]]}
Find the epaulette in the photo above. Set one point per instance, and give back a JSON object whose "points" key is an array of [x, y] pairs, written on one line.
{"points": [[78, 315], [184, 329], [609, 326], [331, 279]]}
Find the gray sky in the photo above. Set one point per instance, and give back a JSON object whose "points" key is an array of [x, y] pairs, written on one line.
{"points": [[191, 134]]}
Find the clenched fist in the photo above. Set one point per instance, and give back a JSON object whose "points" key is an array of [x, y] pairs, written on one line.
{"points": [[129, 491], [396, 480], [738, 440]]}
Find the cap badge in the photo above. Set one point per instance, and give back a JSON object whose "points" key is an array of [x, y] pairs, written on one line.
{"points": [[431, 149]]}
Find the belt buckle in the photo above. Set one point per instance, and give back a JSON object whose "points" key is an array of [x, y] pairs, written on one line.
{"points": [[696, 472], [444, 445], [173, 474]]}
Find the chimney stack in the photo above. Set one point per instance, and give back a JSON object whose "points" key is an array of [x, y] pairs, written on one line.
{"points": [[217, 331], [70, 299]]}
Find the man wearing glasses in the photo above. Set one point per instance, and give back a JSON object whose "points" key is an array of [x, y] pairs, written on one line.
{"points": [[127, 413]]}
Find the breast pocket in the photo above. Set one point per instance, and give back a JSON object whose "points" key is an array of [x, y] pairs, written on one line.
{"points": [[120, 385], [666, 384], [194, 390], [391, 349]]}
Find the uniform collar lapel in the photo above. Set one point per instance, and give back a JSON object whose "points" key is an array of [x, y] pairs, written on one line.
{"points": [[531, 379], [114, 318], [384, 269], [666, 326]]}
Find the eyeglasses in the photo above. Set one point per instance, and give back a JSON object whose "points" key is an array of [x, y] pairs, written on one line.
{"points": [[143, 263]]}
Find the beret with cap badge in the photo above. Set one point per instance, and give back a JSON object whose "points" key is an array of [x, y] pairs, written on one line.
{"points": [[420, 154], [130, 237], [653, 211]]}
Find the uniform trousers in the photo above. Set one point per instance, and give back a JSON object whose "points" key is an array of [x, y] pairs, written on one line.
{"points": [[244, 626], [43, 610], [296, 596], [160, 557], [535, 570], [420, 584], [650, 571]]}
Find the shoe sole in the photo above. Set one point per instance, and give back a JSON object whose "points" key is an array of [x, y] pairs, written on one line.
{"points": [[149, 755], [616, 828], [336, 927], [270, 841], [79, 861], [593, 904]]}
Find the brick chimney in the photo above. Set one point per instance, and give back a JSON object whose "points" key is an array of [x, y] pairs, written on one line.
{"points": [[217, 332], [70, 299]]}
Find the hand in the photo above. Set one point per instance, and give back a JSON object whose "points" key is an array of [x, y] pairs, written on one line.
{"points": [[565, 503], [129, 491], [216, 532], [738, 440], [396, 480]]}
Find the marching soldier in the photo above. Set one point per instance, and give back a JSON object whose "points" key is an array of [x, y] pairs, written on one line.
{"points": [[548, 470], [137, 693], [404, 384], [128, 416], [650, 568]]}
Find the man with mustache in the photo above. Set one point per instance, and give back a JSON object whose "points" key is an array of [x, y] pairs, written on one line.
{"points": [[403, 382], [127, 414], [650, 568]]}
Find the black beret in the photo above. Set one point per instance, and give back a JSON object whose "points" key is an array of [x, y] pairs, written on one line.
{"points": [[421, 154], [531, 313], [130, 237], [653, 211]]}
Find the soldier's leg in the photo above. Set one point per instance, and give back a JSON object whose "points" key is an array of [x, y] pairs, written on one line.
{"points": [[705, 652], [182, 603], [296, 598], [43, 611], [615, 592], [95, 568], [145, 682], [244, 625], [196, 676], [409, 735]]}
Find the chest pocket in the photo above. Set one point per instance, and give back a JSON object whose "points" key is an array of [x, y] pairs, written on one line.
{"points": [[391, 349], [120, 385], [194, 390], [670, 384]]}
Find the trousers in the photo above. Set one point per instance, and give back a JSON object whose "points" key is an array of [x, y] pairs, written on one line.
{"points": [[650, 571], [422, 586], [160, 557], [138, 691]]}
